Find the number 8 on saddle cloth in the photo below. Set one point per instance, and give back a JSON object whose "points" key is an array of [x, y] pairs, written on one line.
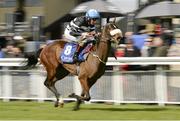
{"points": [[69, 51]]}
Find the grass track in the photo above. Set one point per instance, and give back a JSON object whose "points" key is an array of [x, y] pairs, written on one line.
{"points": [[21, 110]]}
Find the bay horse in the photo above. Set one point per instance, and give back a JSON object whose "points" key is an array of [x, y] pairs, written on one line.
{"points": [[88, 71]]}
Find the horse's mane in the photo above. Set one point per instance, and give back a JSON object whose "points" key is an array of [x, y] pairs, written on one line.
{"points": [[104, 30]]}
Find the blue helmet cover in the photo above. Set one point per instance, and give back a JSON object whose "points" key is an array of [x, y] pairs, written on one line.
{"points": [[92, 14]]}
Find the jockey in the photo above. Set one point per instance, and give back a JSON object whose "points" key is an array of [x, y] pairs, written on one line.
{"points": [[80, 28]]}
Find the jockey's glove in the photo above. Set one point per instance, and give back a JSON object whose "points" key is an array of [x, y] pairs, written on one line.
{"points": [[84, 35]]}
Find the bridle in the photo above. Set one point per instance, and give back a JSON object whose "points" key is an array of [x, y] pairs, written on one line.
{"points": [[107, 40]]}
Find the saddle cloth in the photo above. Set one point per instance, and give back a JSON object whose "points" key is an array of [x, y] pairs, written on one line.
{"points": [[69, 51]]}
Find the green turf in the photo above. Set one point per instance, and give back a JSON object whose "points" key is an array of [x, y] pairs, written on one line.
{"points": [[45, 111]]}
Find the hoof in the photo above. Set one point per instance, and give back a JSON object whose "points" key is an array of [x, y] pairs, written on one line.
{"points": [[72, 95], [61, 105], [56, 104], [76, 108]]}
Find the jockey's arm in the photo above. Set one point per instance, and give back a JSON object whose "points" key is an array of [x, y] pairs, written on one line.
{"points": [[75, 25], [73, 33], [84, 29], [81, 30], [82, 34]]}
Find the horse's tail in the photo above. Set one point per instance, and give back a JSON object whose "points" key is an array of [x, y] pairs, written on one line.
{"points": [[32, 58]]}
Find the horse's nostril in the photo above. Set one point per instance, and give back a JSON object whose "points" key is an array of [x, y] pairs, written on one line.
{"points": [[118, 38]]}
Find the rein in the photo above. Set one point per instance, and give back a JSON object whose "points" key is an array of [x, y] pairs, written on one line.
{"points": [[106, 42], [99, 58]]}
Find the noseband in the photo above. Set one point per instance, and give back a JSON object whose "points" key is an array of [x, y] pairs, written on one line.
{"points": [[115, 31]]}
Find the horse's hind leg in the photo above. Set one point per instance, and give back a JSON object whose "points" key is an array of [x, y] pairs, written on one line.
{"points": [[51, 86], [51, 80]]}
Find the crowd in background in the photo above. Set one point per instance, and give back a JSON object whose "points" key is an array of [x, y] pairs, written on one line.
{"points": [[12, 46], [149, 43], [145, 43]]}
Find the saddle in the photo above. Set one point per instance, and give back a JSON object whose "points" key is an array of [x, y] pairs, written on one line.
{"points": [[67, 55]]}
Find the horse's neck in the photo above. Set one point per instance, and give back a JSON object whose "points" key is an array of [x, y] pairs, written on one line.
{"points": [[103, 48]]}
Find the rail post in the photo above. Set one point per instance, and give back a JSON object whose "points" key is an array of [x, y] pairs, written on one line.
{"points": [[117, 85], [37, 86], [6, 85], [161, 86], [77, 86]]}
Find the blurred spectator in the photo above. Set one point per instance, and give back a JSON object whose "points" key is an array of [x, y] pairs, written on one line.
{"points": [[12, 52], [3, 41], [131, 51], [128, 35], [174, 49], [1, 53], [149, 30], [120, 53], [19, 41], [146, 50], [139, 40], [160, 48], [158, 29], [144, 34], [120, 50], [174, 79], [167, 36], [8, 51]]}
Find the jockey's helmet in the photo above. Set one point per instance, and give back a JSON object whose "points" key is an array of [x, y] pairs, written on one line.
{"points": [[92, 14]]}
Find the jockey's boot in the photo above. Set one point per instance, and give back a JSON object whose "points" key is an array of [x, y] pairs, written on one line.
{"points": [[76, 54]]}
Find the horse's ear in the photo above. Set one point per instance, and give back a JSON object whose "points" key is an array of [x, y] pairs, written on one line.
{"points": [[107, 20], [114, 21]]}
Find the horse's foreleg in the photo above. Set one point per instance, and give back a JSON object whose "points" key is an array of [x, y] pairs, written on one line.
{"points": [[85, 95], [86, 87], [79, 100]]}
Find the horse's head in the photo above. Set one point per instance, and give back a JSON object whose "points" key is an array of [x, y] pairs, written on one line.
{"points": [[112, 32]]}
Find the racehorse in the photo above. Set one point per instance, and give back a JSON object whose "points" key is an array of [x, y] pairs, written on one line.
{"points": [[88, 71]]}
